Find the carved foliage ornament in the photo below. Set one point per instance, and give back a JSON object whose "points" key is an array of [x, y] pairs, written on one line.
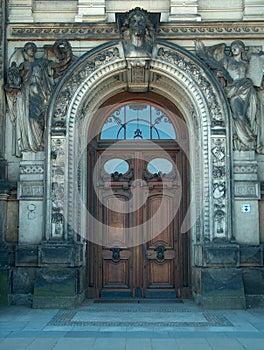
{"points": [[194, 72]]}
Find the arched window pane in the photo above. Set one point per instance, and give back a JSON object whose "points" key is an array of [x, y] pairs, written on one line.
{"points": [[138, 121]]}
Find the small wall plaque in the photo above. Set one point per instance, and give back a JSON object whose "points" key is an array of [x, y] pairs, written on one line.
{"points": [[246, 208]]}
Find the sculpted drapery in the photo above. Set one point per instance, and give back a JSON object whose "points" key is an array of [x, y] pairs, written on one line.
{"points": [[233, 70], [28, 90]]}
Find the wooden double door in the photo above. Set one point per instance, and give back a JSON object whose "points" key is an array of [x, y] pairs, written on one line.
{"points": [[139, 200]]}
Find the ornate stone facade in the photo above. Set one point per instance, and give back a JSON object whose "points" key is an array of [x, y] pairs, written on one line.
{"points": [[53, 90]]}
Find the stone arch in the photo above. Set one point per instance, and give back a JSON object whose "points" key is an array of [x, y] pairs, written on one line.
{"points": [[172, 72]]}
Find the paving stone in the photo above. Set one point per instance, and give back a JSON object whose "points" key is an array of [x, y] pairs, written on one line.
{"points": [[55, 329], [42, 344]]}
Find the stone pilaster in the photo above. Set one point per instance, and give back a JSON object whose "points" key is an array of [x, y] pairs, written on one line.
{"points": [[246, 198], [30, 195]]}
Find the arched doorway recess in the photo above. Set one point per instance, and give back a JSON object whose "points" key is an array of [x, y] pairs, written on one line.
{"points": [[173, 73]]}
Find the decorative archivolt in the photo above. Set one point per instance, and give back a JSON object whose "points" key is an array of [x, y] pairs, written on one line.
{"points": [[100, 70]]}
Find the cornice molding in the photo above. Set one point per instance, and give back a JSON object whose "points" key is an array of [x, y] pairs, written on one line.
{"points": [[176, 30]]}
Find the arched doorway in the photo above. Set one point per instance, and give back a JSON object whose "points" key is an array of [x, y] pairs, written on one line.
{"points": [[138, 193], [173, 74]]}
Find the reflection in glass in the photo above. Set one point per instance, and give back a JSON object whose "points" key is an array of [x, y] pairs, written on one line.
{"points": [[159, 165], [116, 165]]}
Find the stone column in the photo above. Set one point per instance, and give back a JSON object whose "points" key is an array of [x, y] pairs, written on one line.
{"points": [[90, 11], [184, 10]]}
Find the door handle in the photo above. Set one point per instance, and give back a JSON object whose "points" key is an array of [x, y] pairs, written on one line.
{"points": [[116, 254], [160, 253]]}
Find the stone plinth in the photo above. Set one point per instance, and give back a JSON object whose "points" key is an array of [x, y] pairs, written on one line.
{"points": [[218, 288], [60, 277]]}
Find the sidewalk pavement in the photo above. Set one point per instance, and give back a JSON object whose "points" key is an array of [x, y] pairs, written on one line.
{"points": [[131, 326]]}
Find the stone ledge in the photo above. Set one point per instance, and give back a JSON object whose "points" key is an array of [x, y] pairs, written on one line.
{"points": [[87, 31]]}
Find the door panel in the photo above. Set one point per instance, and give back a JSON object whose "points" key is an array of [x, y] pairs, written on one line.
{"points": [[115, 253], [160, 257], [141, 251], [115, 274]]}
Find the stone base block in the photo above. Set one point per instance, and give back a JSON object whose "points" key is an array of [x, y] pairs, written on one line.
{"points": [[60, 254], [57, 288], [21, 299], [4, 286], [219, 288], [26, 255], [23, 280], [254, 286]]}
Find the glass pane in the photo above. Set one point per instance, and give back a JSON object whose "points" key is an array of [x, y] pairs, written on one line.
{"points": [[112, 127], [162, 125], [159, 165], [116, 165], [138, 121]]}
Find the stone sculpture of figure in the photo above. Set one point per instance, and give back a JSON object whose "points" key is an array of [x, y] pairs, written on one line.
{"points": [[27, 107], [232, 70], [28, 91], [137, 34]]}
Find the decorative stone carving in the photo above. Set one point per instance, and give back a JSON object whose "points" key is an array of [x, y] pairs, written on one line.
{"points": [[32, 169], [137, 31], [167, 30], [194, 71], [73, 83], [247, 189], [233, 72], [219, 187], [31, 190], [137, 34], [57, 196], [28, 90]]}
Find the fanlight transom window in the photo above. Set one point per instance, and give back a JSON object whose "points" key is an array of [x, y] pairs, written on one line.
{"points": [[138, 121]]}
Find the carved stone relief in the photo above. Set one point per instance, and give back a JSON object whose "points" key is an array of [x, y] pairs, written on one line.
{"points": [[137, 34], [219, 187], [168, 30]]}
